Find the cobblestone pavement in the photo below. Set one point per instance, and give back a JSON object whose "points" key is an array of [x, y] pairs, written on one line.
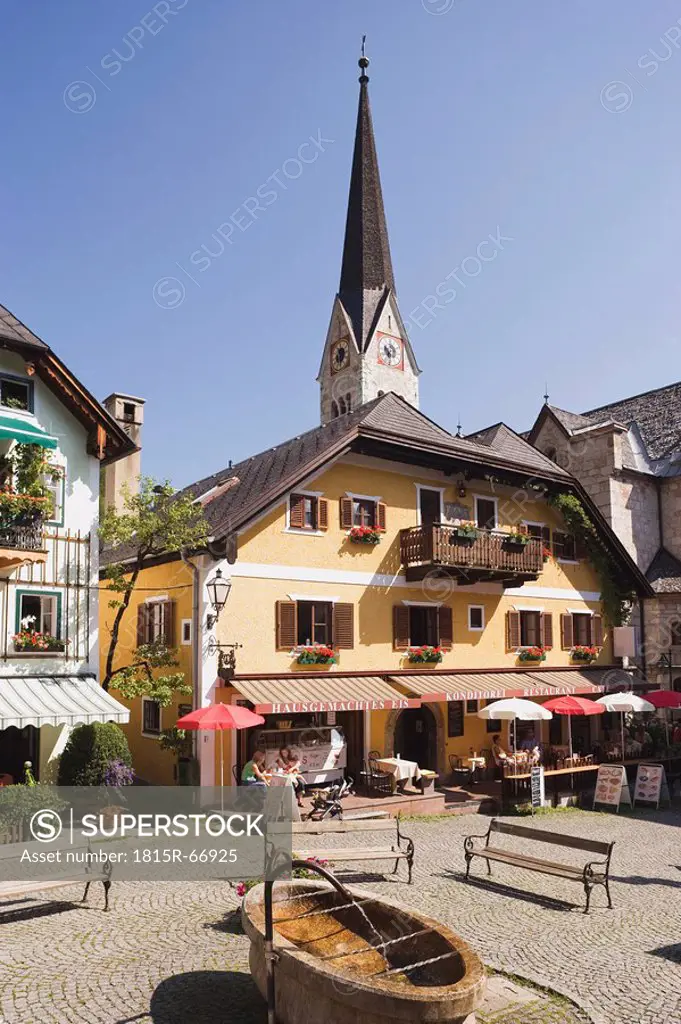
{"points": [[165, 954]]}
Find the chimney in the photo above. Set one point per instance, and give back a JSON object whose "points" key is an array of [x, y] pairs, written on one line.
{"points": [[128, 412]]}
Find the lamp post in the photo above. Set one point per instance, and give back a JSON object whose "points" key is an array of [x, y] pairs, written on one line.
{"points": [[665, 661], [218, 591]]}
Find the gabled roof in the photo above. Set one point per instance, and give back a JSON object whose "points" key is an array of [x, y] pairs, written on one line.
{"points": [[106, 438], [664, 573], [656, 413], [366, 271], [506, 442]]}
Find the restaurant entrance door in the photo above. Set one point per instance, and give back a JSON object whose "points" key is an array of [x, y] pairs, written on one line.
{"points": [[416, 737]]}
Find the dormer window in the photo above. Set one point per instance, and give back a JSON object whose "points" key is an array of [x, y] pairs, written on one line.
{"points": [[16, 393]]}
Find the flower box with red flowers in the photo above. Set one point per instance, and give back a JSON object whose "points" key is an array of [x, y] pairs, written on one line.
{"points": [[424, 655], [516, 541], [547, 554], [315, 655], [365, 535], [584, 654], [30, 642], [532, 654]]}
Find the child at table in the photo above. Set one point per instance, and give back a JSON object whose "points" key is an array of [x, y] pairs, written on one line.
{"points": [[287, 762]]}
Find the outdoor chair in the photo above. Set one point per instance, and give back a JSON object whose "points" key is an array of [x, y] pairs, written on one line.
{"points": [[374, 755], [374, 780], [461, 773], [237, 775]]}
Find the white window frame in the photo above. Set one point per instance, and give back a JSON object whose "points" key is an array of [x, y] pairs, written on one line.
{"points": [[301, 531], [151, 602], [423, 604], [480, 608], [154, 735], [375, 498], [486, 497], [186, 641], [428, 487], [39, 626]]}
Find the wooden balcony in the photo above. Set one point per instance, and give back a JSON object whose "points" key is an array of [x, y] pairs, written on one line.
{"points": [[21, 544], [439, 550]]}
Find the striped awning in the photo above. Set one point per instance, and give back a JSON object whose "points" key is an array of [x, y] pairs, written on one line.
{"points": [[16, 428], [56, 700], [444, 686], [298, 694]]}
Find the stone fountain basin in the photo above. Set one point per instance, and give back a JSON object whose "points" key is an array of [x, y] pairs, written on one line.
{"points": [[314, 983]]}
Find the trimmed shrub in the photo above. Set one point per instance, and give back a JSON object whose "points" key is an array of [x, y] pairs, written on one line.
{"points": [[19, 803], [89, 751]]}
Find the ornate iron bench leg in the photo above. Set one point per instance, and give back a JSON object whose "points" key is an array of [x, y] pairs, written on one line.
{"points": [[607, 889], [469, 858], [107, 885], [489, 867], [587, 889], [87, 889]]}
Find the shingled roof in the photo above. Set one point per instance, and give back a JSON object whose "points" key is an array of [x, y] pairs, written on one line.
{"points": [[12, 329], [664, 573], [656, 413]]}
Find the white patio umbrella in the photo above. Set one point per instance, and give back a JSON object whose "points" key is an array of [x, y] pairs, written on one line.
{"points": [[624, 702], [515, 707]]}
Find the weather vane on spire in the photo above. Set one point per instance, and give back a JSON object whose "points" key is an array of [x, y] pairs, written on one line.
{"points": [[364, 61]]}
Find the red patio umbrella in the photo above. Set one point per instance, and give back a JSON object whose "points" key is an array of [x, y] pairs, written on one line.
{"points": [[665, 699], [572, 705], [217, 718]]}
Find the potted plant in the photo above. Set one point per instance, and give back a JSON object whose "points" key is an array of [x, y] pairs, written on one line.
{"points": [[533, 654], [365, 535], [315, 654], [516, 540], [425, 654], [466, 530], [28, 641], [585, 655], [546, 553]]}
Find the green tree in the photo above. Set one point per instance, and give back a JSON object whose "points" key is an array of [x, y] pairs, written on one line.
{"points": [[153, 522], [88, 752]]}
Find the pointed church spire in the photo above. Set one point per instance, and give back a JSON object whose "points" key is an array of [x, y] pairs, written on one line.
{"points": [[367, 270]]}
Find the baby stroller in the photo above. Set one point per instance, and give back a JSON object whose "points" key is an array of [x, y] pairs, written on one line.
{"points": [[328, 804]]}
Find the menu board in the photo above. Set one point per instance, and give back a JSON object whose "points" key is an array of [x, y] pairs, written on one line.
{"points": [[651, 784], [455, 718], [612, 787], [537, 785]]}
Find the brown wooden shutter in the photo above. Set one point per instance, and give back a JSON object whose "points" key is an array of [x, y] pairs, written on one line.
{"points": [[547, 630], [566, 632], [322, 514], [380, 516], [296, 519], [400, 627], [445, 627], [287, 625], [346, 513], [512, 630], [597, 630], [168, 612], [343, 626], [142, 624]]}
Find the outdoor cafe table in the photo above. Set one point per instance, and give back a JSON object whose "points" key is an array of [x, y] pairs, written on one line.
{"points": [[400, 770], [516, 788]]}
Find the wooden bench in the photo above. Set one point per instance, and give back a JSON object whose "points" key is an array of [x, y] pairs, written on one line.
{"points": [[590, 874], [401, 847], [88, 873]]}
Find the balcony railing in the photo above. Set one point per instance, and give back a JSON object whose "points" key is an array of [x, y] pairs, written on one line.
{"points": [[23, 538], [489, 555]]}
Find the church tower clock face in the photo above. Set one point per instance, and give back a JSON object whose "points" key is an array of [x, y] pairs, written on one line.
{"points": [[340, 355], [390, 351]]}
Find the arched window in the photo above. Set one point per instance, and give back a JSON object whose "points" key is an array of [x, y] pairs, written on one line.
{"points": [[675, 632], [348, 402], [341, 406], [334, 410]]}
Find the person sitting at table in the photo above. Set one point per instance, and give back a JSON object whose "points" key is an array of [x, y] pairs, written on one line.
{"points": [[500, 756], [676, 735], [535, 756], [253, 772], [287, 762]]}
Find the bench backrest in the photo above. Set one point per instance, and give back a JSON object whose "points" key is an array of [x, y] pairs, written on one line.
{"points": [[319, 828], [556, 838]]}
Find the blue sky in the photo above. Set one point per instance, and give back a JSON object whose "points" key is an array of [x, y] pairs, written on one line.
{"points": [[554, 124]]}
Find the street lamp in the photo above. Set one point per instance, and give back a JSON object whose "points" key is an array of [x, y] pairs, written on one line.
{"points": [[218, 591]]}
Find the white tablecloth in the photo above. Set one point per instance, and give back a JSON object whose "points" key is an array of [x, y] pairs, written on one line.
{"points": [[399, 768]]}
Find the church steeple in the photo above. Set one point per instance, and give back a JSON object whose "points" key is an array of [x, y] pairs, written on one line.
{"points": [[367, 351], [367, 267]]}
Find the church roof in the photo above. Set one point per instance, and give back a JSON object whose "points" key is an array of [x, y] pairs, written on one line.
{"points": [[366, 271], [664, 573]]}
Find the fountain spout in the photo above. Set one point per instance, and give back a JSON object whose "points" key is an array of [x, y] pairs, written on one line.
{"points": [[270, 955]]}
